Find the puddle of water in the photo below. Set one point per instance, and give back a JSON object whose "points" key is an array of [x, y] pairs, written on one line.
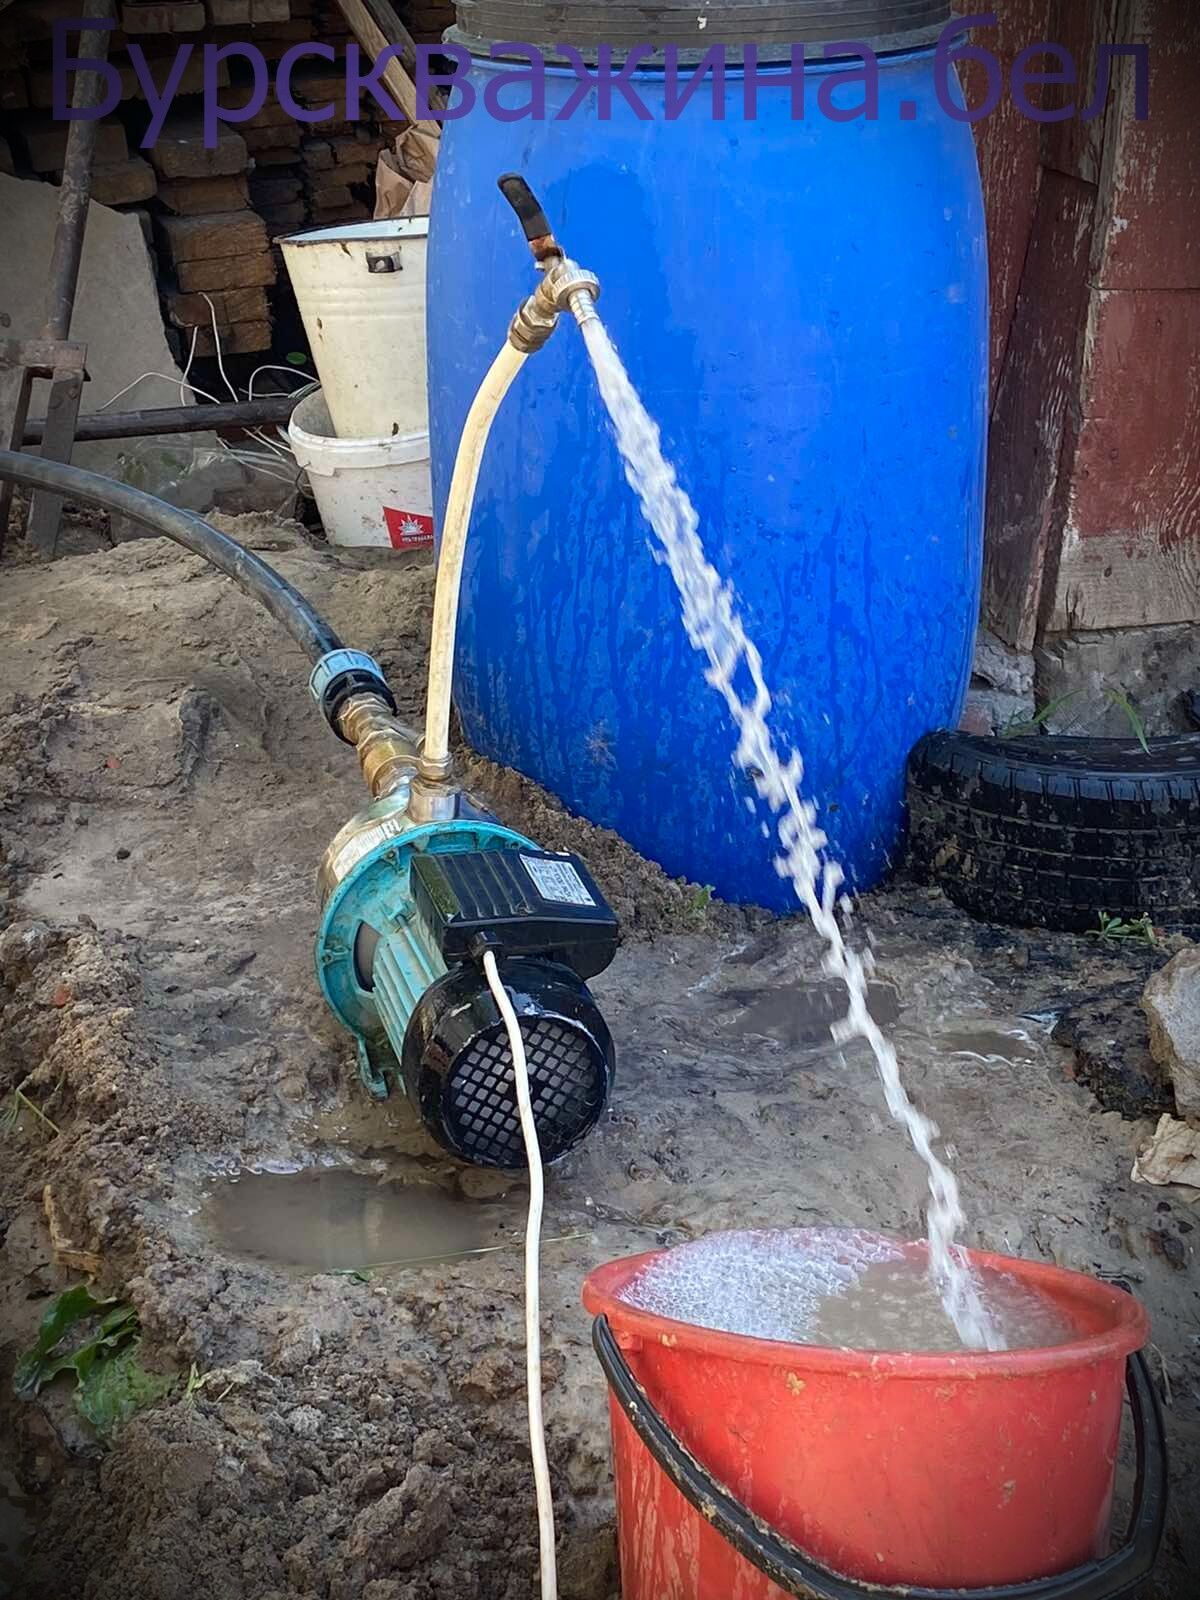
{"points": [[802, 1014], [330, 1219], [992, 1046]]}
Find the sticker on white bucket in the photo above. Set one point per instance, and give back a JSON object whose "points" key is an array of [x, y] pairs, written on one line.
{"points": [[408, 530]]}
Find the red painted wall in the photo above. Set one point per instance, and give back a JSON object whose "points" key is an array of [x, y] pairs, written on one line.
{"points": [[1094, 494]]}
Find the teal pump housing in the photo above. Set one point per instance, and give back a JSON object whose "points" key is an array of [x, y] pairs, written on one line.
{"points": [[409, 909]]}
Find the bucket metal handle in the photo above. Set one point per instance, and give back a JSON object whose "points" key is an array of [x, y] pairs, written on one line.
{"points": [[1117, 1575]]}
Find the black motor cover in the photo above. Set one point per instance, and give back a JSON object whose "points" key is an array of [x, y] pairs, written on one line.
{"points": [[520, 903], [457, 1063]]}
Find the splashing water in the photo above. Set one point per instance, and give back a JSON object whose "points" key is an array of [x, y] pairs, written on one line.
{"points": [[715, 629]]}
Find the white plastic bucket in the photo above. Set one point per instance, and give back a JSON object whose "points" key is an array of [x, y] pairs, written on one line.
{"points": [[361, 293], [368, 491]]}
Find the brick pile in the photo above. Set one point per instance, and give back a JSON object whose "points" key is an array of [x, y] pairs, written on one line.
{"points": [[213, 246], [212, 217]]}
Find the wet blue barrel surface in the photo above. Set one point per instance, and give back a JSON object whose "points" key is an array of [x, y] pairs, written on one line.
{"points": [[803, 307]]}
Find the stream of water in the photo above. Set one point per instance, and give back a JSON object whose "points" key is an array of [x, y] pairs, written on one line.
{"points": [[715, 629]]}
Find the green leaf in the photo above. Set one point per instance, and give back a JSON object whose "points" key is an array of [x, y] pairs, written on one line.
{"points": [[118, 1387], [116, 1322], [297, 358], [1116, 697], [38, 1365]]}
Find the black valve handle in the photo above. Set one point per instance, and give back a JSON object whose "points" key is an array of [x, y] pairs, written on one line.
{"points": [[530, 214], [1117, 1575]]}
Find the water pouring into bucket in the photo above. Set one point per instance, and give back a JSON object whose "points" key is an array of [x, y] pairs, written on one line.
{"points": [[824, 1412], [913, 1415]]}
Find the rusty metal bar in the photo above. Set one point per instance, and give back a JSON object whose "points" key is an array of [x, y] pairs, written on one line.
{"points": [[267, 411], [76, 188], [74, 196]]}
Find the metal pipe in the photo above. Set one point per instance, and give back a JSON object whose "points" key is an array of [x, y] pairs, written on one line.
{"points": [[386, 749], [268, 411], [251, 574], [76, 189]]}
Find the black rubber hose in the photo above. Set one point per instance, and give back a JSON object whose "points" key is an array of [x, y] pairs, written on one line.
{"points": [[252, 575]]}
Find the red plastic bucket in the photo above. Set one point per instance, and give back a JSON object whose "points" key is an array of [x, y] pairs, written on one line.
{"points": [[748, 1469]]}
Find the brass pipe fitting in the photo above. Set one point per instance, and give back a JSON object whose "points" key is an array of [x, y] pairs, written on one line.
{"points": [[565, 286], [387, 750]]}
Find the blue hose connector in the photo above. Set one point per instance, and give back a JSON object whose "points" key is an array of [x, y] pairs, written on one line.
{"points": [[343, 673]]}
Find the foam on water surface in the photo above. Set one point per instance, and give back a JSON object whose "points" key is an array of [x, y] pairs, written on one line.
{"points": [[832, 1287]]}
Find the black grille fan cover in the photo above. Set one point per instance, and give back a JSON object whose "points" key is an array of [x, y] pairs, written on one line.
{"points": [[457, 1063]]}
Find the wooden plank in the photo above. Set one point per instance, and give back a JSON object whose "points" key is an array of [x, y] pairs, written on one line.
{"points": [[1038, 385], [1117, 583], [171, 17], [192, 197], [180, 152], [1131, 537], [1074, 146], [45, 142], [217, 236], [1009, 146], [1148, 238], [191, 79], [230, 306], [123, 183], [376, 26], [237, 272], [1138, 471]]}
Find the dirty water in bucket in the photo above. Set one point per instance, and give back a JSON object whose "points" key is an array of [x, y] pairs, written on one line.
{"points": [[830, 1286], [336, 1219]]}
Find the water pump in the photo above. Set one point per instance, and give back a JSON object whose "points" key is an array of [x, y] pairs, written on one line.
{"points": [[414, 890], [418, 888]]}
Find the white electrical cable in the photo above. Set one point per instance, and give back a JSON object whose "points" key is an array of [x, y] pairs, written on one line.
{"points": [[187, 371], [219, 353], [166, 377], [274, 366], [533, 1320]]}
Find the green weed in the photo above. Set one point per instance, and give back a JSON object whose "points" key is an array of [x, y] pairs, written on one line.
{"points": [[197, 1382], [17, 1102], [1116, 930], [1117, 697], [700, 901], [110, 1382], [1018, 726]]}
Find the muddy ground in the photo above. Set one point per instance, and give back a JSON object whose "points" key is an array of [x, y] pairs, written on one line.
{"points": [[166, 793]]}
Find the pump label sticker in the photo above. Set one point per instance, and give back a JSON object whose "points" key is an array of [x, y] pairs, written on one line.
{"points": [[558, 882]]}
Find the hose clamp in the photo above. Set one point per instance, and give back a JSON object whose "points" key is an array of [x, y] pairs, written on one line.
{"points": [[342, 673]]}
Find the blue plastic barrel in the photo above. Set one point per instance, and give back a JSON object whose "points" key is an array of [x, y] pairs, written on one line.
{"points": [[803, 306]]}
